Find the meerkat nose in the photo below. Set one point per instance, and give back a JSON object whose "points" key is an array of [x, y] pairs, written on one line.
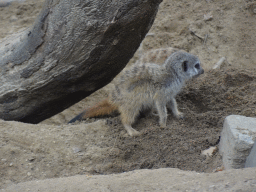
{"points": [[202, 71]]}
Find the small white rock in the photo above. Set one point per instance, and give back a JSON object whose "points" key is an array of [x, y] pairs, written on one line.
{"points": [[210, 151], [76, 149], [208, 17], [13, 18]]}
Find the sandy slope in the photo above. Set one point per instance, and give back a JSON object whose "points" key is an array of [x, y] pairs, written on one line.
{"points": [[148, 180]]}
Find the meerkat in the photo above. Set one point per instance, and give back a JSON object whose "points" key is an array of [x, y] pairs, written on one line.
{"points": [[146, 86]]}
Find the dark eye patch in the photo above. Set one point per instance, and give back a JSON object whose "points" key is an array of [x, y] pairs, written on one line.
{"points": [[185, 66], [197, 66]]}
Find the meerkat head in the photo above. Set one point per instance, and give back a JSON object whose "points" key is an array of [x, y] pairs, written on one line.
{"points": [[184, 64]]}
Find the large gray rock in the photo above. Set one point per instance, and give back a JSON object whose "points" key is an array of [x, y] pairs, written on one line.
{"points": [[237, 139], [4, 3], [73, 49]]}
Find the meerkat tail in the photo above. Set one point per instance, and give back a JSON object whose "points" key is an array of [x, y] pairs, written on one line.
{"points": [[78, 117], [103, 108]]}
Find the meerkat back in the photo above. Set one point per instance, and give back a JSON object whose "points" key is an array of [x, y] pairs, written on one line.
{"points": [[156, 56]]}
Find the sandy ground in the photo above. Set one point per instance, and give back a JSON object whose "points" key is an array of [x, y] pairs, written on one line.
{"points": [[209, 29], [147, 180]]}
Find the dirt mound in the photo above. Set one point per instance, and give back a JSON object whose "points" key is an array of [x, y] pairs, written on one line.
{"points": [[206, 101]]}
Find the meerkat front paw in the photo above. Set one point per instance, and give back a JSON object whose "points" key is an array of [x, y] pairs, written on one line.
{"points": [[162, 125], [180, 115]]}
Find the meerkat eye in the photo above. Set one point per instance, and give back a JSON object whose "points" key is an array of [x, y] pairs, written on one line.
{"points": [[197, 66], [185, 66]]}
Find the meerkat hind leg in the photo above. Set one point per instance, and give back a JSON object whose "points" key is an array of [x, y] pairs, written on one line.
{"points": [[128, 118], [172, 104], [131, 131]]}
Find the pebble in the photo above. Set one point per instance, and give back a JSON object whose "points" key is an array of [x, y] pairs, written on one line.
{"points": [[13, 18], [209, 152], [31, 158], [76, 149]]}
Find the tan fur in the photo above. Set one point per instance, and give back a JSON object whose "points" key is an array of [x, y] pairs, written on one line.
{"points": [[148, 85]]}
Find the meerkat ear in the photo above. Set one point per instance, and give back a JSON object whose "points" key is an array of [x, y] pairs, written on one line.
{"points": [[185, 66]]}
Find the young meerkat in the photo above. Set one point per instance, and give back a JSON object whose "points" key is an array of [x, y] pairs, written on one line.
{"points": [[146, 86]]}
